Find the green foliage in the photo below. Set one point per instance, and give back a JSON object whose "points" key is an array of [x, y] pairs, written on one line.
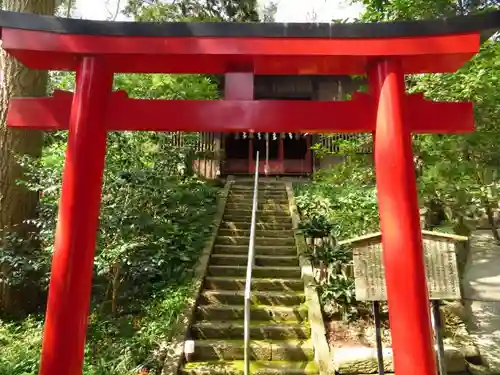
{"points": [[193, 10], [330, 254], [462, 171], [338, 296], [153, 226], [392, 10], [166, 86], [457, 174], [316, 226], [21, 344], [345, 194]]}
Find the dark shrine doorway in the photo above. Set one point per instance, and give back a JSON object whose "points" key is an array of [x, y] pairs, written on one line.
{"points": [[283, 153]]}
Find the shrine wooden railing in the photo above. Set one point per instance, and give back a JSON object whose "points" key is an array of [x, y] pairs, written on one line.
{"points": [[333, 142]]}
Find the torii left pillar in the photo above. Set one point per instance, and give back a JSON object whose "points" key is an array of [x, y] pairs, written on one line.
{"points": [[73, 260]]}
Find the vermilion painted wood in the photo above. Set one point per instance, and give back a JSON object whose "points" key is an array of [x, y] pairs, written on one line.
{"points": [[356, 115], [73, 260], [240, 86], [407, 295], [218, 55]]}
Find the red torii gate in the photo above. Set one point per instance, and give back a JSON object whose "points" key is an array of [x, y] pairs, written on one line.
{"points": [[96, 50]]}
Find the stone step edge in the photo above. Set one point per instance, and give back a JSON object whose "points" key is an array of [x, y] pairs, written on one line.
{"points": [[260, 238], [285, 367], [283, 343], [259, 230], [241, 202], [243, 220], [266, 247], [266, 211], [284, 226], [254, 293], [277, 268], [256, 279], [291, 344], [263, 257], [261, 219], [258, 324], [301, 307], [249, 192]]}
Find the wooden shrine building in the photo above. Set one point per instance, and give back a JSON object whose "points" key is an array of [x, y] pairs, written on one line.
{"points": [[222, 154]]}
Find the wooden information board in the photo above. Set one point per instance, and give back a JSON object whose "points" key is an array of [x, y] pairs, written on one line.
{"points": [[440, 267]]}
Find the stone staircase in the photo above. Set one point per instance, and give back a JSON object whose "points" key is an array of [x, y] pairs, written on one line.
{"points": [[279, 328]]}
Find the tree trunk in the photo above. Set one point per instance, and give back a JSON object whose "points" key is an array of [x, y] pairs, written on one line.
{"points": [[17, 204]]}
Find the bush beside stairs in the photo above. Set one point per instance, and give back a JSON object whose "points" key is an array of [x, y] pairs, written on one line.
{"points": [[279, 329]]}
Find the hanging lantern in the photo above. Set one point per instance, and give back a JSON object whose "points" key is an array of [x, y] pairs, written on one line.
{"points": [[275, 136], [290, 135], [244, 135]]}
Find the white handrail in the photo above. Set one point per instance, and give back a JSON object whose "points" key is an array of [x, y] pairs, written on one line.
{"points": [[251, 259]]}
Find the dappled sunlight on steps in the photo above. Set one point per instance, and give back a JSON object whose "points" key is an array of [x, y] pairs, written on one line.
{"points": [[279, 328]]}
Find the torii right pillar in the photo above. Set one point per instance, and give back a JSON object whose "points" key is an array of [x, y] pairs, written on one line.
{"points": [[400, 223]]}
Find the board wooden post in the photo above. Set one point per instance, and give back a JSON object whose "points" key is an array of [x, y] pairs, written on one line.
{"points": [[441, 269]]}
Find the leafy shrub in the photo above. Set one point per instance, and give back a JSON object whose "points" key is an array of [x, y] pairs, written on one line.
{"points": [[317, 226], [345, 195], [21, 344], [154, 222], [338, 295]]}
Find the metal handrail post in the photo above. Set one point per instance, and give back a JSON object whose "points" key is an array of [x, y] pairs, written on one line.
{"points": [[251, 258]]}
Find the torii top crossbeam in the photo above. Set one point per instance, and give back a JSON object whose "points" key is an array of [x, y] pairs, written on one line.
{"points": [[269, 48], [384, 51]]}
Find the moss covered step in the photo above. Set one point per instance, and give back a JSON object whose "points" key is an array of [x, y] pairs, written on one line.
{"points": [[263, 196], [245, 225], [239, 203], [268, 233], [277, 314], [256, 368], [230, 350], [248, 199], [266, 206], [260, 260], [262, 188], [261, 219], [258, 272], [232, 283], [235, 297], [264, 241], [260, 213], [259, 250], [249, 183], [258, 331]]}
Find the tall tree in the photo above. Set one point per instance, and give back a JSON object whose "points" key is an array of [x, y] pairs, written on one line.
{"points": [[194, 10], [459, 175], [17, 204], [385, 10], [268, 12]]}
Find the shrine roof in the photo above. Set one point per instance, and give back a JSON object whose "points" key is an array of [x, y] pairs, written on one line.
{"points": [[53, 43]]}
